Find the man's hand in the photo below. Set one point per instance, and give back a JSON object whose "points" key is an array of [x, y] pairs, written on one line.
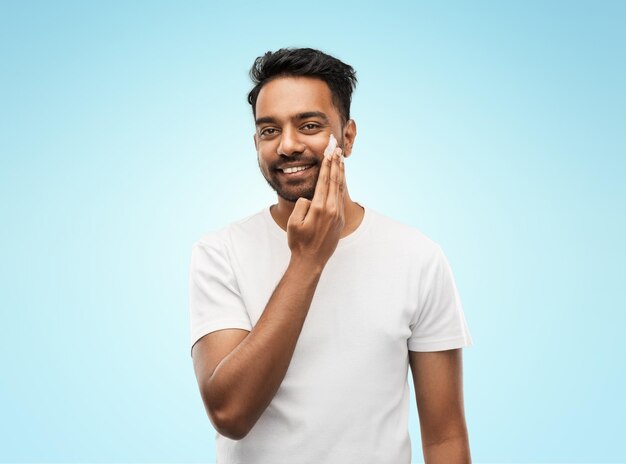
{"points": [[314, 227], [245, 371]]}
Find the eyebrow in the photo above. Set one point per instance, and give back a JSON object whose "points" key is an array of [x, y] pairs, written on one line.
{"points": [[297, 117]]}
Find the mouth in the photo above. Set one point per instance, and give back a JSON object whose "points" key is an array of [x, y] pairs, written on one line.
{"points": [[298, 174]]}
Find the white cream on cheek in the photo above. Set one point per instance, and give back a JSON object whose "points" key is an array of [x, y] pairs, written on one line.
{"points": [[330, 148]]}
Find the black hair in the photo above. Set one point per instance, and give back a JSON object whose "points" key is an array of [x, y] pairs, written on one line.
{"points": [[339, 76]]}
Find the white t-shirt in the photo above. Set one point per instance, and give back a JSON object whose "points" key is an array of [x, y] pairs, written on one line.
{"points": [[386, 289]]}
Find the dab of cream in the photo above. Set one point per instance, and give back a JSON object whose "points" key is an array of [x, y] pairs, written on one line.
{"points": [[330, 148]]}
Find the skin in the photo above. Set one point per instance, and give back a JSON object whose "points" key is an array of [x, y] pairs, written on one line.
{"points": [[283, 138], [238, 371], [438, 380]]}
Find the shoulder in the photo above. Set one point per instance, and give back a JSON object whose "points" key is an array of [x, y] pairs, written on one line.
{"points": [[221, 239], [403, 238]]}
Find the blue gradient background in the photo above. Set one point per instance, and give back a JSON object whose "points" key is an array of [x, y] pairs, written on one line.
{"points": [[496, 128]]}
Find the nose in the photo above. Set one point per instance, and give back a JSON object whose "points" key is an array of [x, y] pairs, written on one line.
{"points": [[289, 142]]}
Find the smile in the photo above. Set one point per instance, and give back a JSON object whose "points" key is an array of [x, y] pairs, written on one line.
{"points": [[300, 171]]}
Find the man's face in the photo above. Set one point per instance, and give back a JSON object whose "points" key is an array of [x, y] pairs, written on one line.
{"points": [[294, 119]]}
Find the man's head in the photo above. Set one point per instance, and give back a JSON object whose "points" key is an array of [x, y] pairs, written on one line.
{"points": [[300, 98], [307, 62]]}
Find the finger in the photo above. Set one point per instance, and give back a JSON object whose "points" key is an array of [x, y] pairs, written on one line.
{"points": [[321, 188], [299, 210], [342, 185], [333, 190]]}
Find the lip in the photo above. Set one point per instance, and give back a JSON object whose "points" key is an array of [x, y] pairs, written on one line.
{"points": [[297, 175]]}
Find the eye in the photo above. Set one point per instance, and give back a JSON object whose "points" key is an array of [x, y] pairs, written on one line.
{"points": [[311, 126], [269, 131]]}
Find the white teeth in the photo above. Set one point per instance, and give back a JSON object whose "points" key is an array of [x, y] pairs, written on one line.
{"points": [[296, 169]]}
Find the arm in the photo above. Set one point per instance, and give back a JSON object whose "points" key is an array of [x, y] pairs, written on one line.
{"points": [[245, 381], [438, 380], [249, 368]]}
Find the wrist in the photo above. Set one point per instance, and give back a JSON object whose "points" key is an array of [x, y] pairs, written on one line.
{"points": [[305, 266]]}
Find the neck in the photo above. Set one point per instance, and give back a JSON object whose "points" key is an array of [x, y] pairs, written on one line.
{"points": [[353, 214]]}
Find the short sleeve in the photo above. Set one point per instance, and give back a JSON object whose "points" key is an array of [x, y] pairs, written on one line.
{"points": [[440, 323], [215, 302]]}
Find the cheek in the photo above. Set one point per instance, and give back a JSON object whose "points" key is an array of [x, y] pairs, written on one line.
{"points": [[266, 161], [318, 146], [266, 149]]}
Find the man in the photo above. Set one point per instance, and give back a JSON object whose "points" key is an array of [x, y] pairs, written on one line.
{"points": [[306, 315]]}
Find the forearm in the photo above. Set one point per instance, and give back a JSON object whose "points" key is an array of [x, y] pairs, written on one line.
{"points": [[245, 382], [454, 450]]}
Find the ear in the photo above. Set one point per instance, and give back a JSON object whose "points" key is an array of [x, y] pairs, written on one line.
{"points": [[349, 134], [256, 142]]}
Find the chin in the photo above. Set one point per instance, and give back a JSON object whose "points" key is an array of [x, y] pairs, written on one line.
{"points": [[293, 194], [293, 199]]}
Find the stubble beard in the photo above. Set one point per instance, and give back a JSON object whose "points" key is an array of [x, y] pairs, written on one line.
{"points": [[292, 192], [305, 192]]}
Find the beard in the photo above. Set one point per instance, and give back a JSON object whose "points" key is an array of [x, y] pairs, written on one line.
{"points": [[292, 190]]}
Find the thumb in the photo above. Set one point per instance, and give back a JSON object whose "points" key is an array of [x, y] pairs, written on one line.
{"points": [[300, 210]]}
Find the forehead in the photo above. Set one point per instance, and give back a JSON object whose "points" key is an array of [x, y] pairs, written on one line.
{"points": [[284, 97]]}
